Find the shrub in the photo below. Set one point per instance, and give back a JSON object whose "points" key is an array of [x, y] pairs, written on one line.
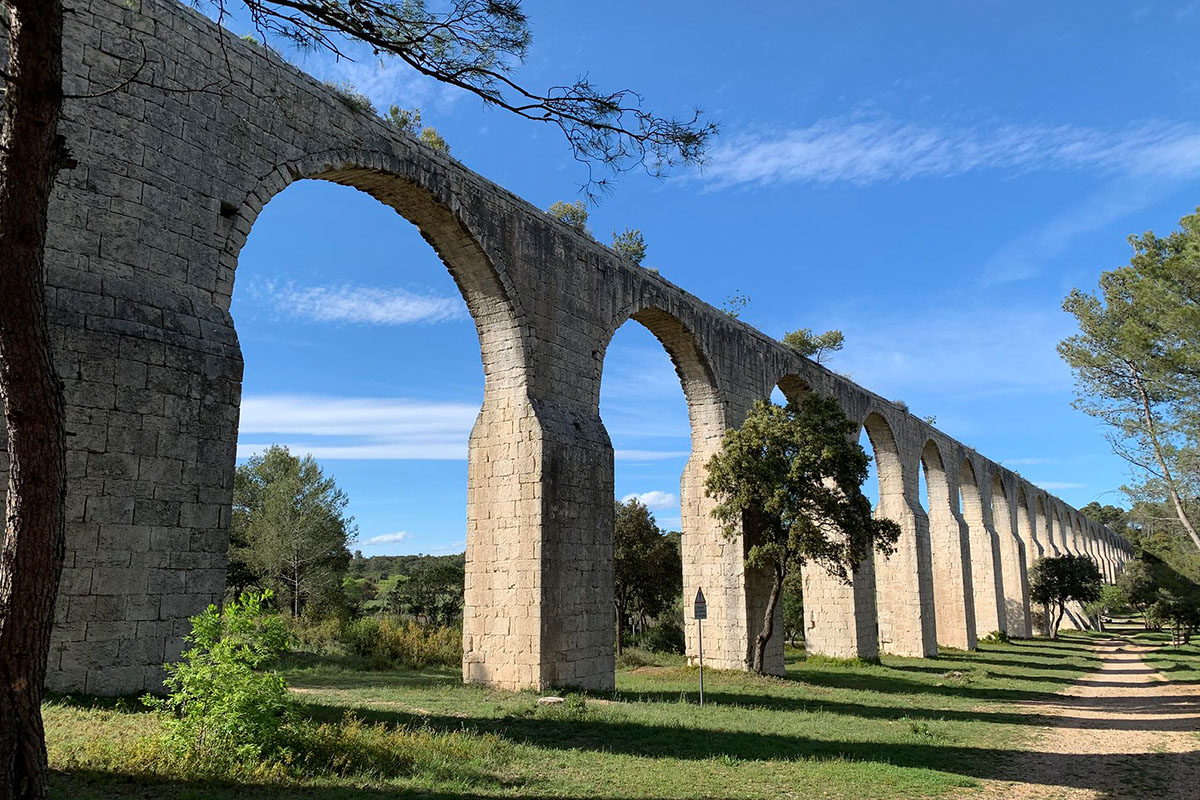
{"points": [[221, 707], [665, 636], [321, 636], [387, 642]]}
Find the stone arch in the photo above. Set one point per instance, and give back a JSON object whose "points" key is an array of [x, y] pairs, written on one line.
{"points": [[950, 549], [711, 562], [494, 592], [986, 575], [442, 219], [904, 580], [1015, 579]]}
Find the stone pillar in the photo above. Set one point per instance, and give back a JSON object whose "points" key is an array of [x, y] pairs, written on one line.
{"points": [[953, 600], [840, 618], [539, 582], [903, 580], [714, 563], [1012, 565], [986, 576]]}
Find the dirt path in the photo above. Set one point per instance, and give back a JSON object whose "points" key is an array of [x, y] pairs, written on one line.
{"points": [[1122, 732]]}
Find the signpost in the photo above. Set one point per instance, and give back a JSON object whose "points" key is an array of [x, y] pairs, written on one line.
{"points": [[700, 612]]}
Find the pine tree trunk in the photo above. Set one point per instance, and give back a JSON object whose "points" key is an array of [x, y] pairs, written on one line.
{"points": [[32, 554]]}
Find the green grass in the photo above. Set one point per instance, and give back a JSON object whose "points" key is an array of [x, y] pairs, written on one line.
{"points": [[904, 728]]}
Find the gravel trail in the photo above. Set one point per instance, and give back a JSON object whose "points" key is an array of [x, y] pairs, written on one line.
{"points": [[1124, 732]]}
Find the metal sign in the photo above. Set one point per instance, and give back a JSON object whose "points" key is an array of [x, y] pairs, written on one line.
{"points": [[700, 610]]}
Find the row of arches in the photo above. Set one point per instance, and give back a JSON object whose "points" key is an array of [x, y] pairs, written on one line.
{"points": [[153, 303]]}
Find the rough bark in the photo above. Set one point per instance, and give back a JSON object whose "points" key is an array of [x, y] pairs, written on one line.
{"points": [[764, 635], [32, 555]]}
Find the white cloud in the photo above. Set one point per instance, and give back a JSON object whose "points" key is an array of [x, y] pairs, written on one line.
{"points": [[386, 538], [870, 149], [654, 500], [371, 428], [650, 455], [364, 305], [1059, 485], [356, 427]]}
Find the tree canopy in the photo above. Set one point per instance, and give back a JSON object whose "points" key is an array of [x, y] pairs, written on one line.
{"points": [[289, 528], [1056, 581], [790, 479], [630, 245], [647, 569], [1136, 361], [477, 46], [817, 346]]}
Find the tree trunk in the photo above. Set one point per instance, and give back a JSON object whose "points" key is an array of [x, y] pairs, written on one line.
{"points": [[1168, 478], [32, 554], [1062, 609], [620, 630], [764, 636]]}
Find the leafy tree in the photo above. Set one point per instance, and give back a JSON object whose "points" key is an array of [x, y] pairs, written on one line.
{"points": [[405, 119], [817, 346], [1136, 361], [790, 480], [220, 704], [290, 525], [1139, 583], [433, 593], [630, 245], [1059, 580], [1111, 598], [574, 214], [735, 304], [793, 606], [474, 45], [647, 569], [431, 137], [1112, 516], [409, 121]]}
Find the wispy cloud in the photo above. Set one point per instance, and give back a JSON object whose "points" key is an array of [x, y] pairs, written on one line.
{"points": [[371, 428], [1059, 485], [356, 427], [650, 455], [386, 538], [863, 150], [362, 305], [956, 350], [386, 83], [654, 500]]}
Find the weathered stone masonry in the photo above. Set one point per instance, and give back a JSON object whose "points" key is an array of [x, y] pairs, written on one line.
{"points": [[143, 249]]}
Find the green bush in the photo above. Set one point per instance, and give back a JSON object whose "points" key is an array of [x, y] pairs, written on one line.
{"points": [[387, 642], [665, 636], [321, 636], [221, 708]]}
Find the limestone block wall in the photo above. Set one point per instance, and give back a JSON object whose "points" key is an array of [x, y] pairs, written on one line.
{"points": [[141, 267]]}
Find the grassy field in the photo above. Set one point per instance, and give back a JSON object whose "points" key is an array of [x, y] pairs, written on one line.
{"points": [[906, 728]]}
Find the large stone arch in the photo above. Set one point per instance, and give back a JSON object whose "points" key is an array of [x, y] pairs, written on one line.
{"points": [[414, 188], [903, 581], [711, 561], [950, 546]]}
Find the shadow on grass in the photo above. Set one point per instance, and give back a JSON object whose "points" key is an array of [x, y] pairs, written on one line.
{"points": [[674, 742]]}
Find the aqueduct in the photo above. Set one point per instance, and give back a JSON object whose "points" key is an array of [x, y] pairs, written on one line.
{"points": [[144, 242]]}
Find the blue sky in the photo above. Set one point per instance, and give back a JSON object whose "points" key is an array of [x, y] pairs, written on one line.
{"points": [[931, 178]]}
